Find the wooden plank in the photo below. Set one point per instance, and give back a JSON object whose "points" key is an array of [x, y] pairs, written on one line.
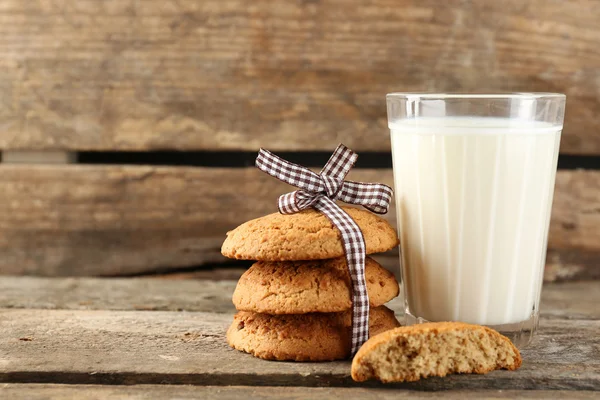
{"points": [[572, 300], [141, 347], [141, 392], [130, 75], [119, 220]]}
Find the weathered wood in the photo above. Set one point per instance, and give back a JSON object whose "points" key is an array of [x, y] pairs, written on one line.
{"points": [[116, 220], [90, 220], [84, 74], [16, 391], [576, 211], [572, 300], [565, 265], [116, 294], [141, 347]]}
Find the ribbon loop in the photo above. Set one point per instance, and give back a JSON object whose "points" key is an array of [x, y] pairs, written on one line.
{"points": [[290, 173], [374, 197], [340, 163], [320, 192]]}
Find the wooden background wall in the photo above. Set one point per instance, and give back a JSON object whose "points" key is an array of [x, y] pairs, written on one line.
{"points": [[166, 77]]}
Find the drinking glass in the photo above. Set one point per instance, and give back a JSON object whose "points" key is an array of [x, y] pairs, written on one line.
{"points": [[474, 179]]}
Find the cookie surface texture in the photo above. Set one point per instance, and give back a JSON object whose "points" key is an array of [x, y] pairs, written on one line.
{"points": [[305, 337], [299, 287], [410, 353], [307, 235]]}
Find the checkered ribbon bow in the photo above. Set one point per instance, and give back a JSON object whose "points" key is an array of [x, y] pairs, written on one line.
{"points": [[320, 192]]}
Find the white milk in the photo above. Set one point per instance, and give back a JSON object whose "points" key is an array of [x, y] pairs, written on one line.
{"points": [[473, 200]]}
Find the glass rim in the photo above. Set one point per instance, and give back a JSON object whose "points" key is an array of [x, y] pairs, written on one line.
{"points": [[470, 96]]}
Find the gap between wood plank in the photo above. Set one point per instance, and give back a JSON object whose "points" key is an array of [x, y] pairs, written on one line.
{"points": [[243, 159]]}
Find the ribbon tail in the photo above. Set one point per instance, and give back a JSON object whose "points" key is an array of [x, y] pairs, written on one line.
{"points": [[354, 250]]}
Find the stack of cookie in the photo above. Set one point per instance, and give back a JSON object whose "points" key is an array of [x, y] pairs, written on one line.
{"points": [[295, 302]]}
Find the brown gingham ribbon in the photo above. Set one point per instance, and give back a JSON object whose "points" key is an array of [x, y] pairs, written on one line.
{"points": [[320, 192]]}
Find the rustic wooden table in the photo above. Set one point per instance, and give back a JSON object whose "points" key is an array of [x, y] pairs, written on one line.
{"points": [[92, 338]]}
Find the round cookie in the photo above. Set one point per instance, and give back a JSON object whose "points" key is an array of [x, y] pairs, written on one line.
{"points": [[305, 337], [299, 287], [307, 235]]}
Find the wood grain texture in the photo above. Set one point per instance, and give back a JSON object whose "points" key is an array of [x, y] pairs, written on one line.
{"points": [[576, 211], [570, 300], [141, 294], [118, 220], [15, 391], [125, 74], [144, 347]]}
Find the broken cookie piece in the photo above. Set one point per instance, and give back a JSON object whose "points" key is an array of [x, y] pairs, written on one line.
{"points": [[410, 353]]}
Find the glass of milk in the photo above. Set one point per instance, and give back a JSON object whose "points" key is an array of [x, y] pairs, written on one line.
{"points": [[474, 179]]}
